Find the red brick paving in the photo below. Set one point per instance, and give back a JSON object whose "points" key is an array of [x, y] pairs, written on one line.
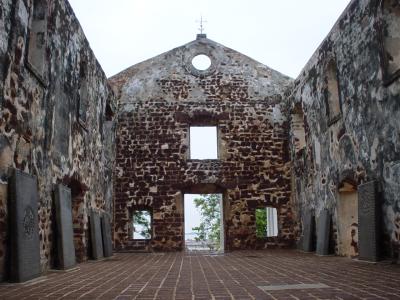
{"points": [[235, 275]]}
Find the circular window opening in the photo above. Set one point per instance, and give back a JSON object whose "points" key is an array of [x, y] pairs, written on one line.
{"points": [[201, 62]]}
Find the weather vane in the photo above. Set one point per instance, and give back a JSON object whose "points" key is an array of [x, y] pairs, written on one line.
{"points": [[201, 21]]}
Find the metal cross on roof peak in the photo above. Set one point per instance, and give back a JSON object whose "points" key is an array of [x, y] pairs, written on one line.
{"points": [[201, 21]]}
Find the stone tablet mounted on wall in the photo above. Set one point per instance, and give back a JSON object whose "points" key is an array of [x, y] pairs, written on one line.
{"points": [[308, 231], [106, 232], [65, 235], [24, 228], [323, 232], [96, 239], [368, 221]]}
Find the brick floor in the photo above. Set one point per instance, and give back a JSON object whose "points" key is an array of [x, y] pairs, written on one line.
{"points": [[236, 275]]}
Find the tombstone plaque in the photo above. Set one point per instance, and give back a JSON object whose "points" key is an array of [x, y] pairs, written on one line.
{"points": [[65, 235], [323, 232], [368, 221], [106, 232], [24, 227], [308, 231], [95, 235]]}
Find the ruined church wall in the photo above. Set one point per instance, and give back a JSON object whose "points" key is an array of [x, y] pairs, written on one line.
{"points": [[158, 101], [55, 119], [353, 136]]}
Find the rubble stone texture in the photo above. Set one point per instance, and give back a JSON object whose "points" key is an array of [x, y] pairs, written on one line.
{"points": [[159, 100], [48, 71], [348, 94], [303, 146]]}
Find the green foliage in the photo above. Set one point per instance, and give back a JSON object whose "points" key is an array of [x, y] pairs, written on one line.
{"points": [[210, 226], [261, 222], [141, 222]]}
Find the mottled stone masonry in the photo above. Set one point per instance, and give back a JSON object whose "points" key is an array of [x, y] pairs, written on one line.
{"points": [[351, 122], [303, 146], [42, 54], [158, 101]]}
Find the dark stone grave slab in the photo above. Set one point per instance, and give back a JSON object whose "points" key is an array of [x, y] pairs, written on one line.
{"points": [[323, 232], [96, 239], [368, 221], [23, 227], [65, 235], [107, 238], [308, 231]]}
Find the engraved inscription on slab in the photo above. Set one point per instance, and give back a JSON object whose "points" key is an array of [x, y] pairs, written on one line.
{"points": [[24, 227], [28, 222]]}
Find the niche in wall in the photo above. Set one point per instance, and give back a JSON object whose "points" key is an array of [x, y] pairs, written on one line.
{"points": [[298, 131], [333, 96], [37, 39], [391, 39]]}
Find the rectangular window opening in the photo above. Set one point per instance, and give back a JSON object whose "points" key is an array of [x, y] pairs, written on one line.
{"points": [[203, 142], [266, 222], [141, 225]]}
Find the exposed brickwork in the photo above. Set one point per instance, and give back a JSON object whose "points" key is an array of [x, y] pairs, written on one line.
{"points": [[233, 276], [153, 166]]}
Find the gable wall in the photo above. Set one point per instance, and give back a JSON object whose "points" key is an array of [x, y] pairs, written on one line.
{"points": [[159, 100]]}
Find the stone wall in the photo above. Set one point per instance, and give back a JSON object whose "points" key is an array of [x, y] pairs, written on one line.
{"points": [[348, 94], [56, 116], [159, 100]]}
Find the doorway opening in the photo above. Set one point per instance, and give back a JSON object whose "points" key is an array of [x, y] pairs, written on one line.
{"points": [[347, 219], [204, 230]]}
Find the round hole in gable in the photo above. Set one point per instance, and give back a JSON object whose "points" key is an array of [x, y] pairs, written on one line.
{"points": [[201, 62]]}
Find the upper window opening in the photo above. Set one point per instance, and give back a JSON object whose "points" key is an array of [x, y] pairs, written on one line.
{"points": [[203, 142], [201, 62], [141, 225]]}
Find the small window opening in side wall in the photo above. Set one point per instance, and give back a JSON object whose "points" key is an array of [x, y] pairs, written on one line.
{"points": [[37, 38], [266, 222], [141, 225], [203, 142], [83, 93], [334, 105], [391, 39], [298, 131]]}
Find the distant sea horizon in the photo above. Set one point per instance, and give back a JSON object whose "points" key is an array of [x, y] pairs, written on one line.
{"points": [[190, 235]]}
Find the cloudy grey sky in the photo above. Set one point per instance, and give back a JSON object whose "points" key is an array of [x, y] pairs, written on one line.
{"points": [[280, 34]]}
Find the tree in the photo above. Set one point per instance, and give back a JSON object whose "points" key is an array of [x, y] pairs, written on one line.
{"points": [[209, 229], [141, 223], [261, 222]]}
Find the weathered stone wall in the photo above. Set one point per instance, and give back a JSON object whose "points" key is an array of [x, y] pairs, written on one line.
{"points": [[56, 116], [350, 100], [159, 100]]}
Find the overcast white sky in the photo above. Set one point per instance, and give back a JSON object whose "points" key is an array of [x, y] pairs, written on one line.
{"points": [[280, 34]]}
